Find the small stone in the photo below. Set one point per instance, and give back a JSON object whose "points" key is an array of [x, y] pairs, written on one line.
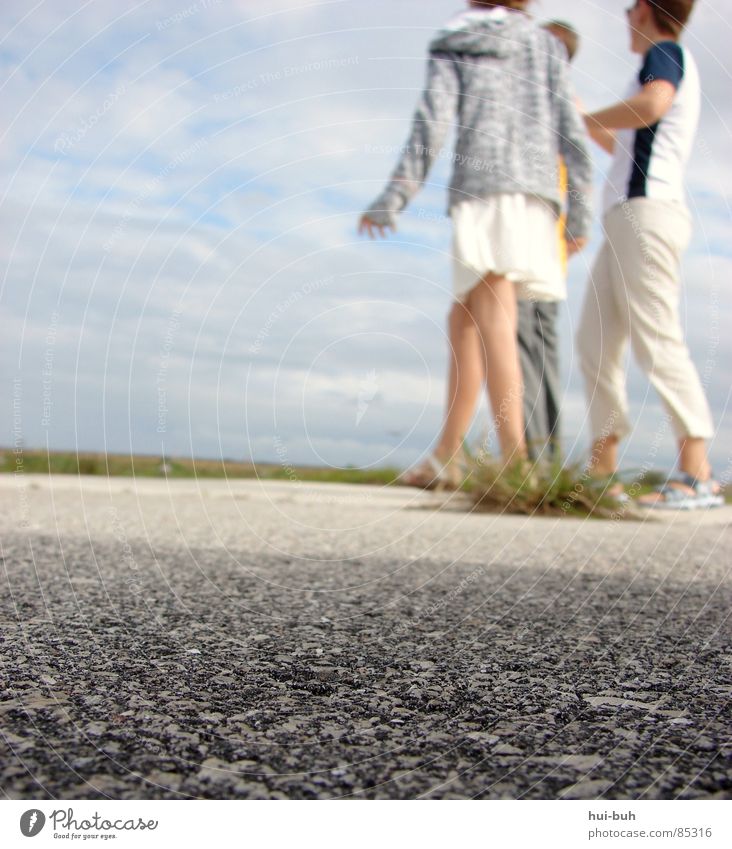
{"points": [[586, 789], [326, 673], [507, 749]]}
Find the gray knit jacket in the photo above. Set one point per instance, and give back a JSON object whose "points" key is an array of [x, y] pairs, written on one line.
{"points": [[505, 81]]}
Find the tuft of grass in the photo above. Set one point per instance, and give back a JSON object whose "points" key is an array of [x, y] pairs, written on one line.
{"points": [[541, 489]]}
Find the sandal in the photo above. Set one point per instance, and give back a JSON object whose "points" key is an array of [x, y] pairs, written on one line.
{"points": [[433, 474], [684, 493], [613, 487], [617, 491]]}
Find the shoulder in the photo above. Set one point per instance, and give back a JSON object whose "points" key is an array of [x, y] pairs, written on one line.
{"points": [[553, 62], [550, 47], [664, 61]]}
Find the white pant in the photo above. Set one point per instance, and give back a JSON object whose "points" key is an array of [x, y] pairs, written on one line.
{"points": [[633, 294]]}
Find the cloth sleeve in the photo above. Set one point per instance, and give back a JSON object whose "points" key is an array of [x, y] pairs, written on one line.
{"points": [[435, 112], [574, 150], [664, 61]]}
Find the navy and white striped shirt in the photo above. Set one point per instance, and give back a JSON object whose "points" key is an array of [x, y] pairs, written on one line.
{"points": [[650, 162]]}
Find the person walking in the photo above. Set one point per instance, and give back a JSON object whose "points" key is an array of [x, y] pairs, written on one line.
{"points": [[634, 291], [504, 80]]}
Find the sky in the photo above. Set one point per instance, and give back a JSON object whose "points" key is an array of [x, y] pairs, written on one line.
{"points": [[181, 272]]}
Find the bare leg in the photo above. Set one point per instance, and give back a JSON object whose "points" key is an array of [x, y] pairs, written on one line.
{"points": [[492, 304], [464, 383], [465, 380], [693, 458], [604, 456]]}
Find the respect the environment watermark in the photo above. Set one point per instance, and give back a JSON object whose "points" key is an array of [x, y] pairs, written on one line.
{"points": [[149, 187]]}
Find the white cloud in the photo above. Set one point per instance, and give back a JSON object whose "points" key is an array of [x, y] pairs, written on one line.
{"points": [[174, 197]]}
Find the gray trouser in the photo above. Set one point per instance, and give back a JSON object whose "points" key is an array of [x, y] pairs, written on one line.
{"points": [[539, 355]]}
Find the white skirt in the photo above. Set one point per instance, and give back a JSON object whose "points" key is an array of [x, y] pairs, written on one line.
{"points": [[512, 234]]}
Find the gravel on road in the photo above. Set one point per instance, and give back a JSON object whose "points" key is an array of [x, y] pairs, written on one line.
{"points": [[249, 640]]}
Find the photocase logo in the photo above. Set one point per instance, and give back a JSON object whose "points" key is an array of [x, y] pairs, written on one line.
{"points": [[32, 822], [367, 389]]}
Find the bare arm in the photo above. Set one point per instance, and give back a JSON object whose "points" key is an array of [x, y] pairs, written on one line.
{"points": [[433, 117], [642, 110], [604, 138]]}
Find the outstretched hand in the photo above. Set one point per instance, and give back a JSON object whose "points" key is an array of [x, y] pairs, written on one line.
{"points": [[574, 246], [367, 225]]}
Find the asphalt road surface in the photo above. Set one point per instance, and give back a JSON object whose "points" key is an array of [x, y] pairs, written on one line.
{"points": [[247, 640]]}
